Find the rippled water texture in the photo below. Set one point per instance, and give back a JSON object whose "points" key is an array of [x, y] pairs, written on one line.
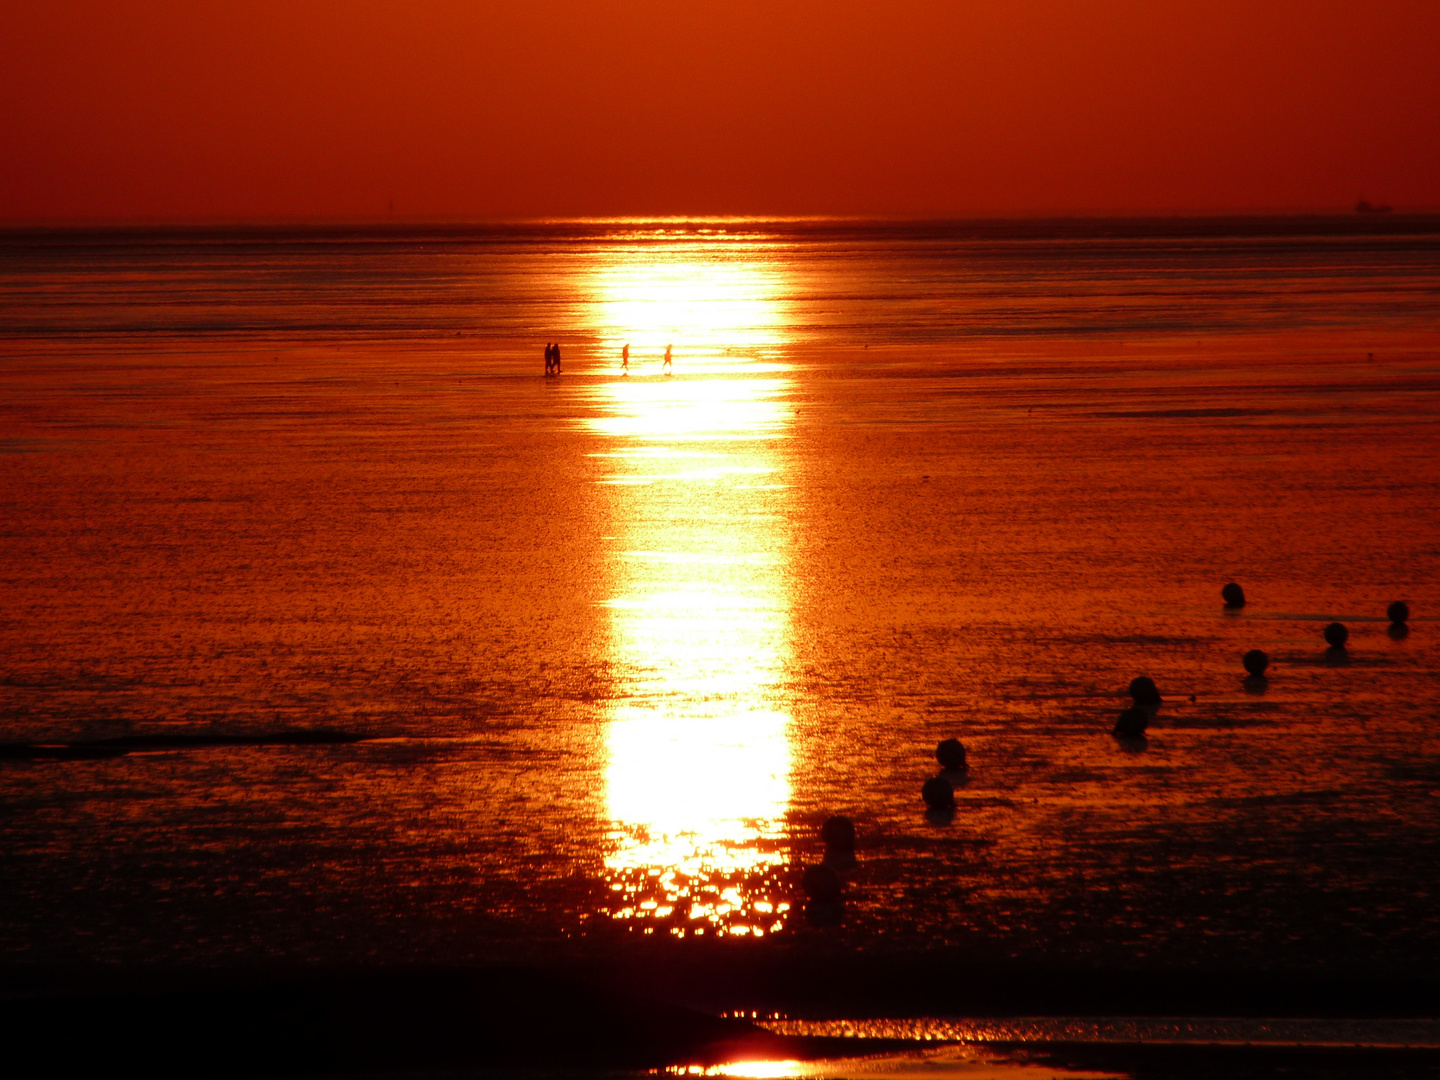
{"points": [[617, 644]]}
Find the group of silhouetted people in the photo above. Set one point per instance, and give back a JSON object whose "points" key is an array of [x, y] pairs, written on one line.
{"points": [[668, 367], [552, 360]]}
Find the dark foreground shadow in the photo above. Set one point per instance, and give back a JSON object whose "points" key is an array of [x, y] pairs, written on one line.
{"points": [[1236, 1062], [414, 1021], [526, 1022]]}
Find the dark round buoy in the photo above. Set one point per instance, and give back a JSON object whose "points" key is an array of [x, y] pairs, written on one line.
{"points": [[1132, 723], [1256, 662], [821, 884], [1336, 635], [1233, 595], [951, 754], [1145, 692], [938, 793], [1399, 611], [839, 834]]}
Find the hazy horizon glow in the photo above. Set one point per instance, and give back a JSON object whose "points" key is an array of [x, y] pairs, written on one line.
{"points": [[161, 112]]}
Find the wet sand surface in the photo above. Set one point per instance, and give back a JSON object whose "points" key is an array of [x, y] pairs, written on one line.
{"points": [[612, 649]]}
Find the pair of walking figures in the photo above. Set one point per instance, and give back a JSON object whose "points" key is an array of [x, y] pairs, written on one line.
{"points": [[667, 367], [552, 359]]}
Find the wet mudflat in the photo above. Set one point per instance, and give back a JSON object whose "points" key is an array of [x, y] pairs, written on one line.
{"points": [[611, 648]]}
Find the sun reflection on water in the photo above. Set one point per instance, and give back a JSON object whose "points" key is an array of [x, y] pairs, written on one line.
{"points": [[717, 303], [698, 768]]}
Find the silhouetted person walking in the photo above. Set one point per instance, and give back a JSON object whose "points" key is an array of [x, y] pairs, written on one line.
{"points": [[625, 360], [557, 358], [668, 367], [549, 358]]}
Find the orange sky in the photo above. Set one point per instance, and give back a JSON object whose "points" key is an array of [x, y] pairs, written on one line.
{"points": [[467, 110]]}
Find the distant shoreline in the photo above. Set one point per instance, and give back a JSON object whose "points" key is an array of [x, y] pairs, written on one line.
{"points": [[1074, 227]]}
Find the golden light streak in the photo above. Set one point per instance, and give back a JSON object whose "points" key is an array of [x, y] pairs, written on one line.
{"points": [[697, 779]]}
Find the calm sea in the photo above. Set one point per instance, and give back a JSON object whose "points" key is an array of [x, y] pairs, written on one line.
{"points": [[613, 646]]}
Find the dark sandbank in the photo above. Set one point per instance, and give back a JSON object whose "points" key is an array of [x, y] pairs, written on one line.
{"points": [[1194, 1061], [126, 744], [816, 980], [417, 1020], [648, 1009], [516, 1021]]}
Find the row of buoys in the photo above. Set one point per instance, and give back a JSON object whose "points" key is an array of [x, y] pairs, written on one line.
{"points": [[822, 883], [1134, 720], [1234, 596], [1336, 634]]}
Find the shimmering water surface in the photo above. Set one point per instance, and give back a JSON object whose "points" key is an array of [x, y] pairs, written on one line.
{"points": [[618, 644]]}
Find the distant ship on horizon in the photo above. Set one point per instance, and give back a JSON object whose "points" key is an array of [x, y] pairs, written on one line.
{"points": [[1363, 207]]}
